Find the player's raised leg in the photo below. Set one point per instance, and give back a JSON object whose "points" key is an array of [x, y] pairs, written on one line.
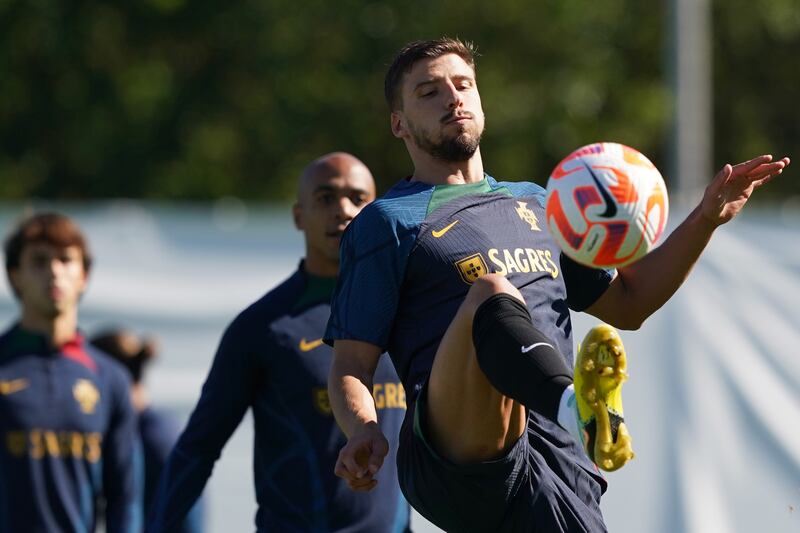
{"points": [[492, 363]]}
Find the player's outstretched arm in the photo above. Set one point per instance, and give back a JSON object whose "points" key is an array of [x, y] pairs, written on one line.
{"points": [[643, 287], [350, 391], [227, 394]]}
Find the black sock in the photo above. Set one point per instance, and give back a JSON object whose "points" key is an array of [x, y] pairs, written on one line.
{"points": [[517, 358]]}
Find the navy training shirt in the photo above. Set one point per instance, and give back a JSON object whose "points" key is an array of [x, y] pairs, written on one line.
{"points": [[272, 359], [410, 257], [69, 438]]}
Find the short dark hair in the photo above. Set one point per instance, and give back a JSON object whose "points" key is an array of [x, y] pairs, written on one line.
{"points": [[413, 52], [52, 228], [132, 351]]}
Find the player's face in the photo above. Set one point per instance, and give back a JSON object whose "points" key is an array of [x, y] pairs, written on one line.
{"points": [[442, 113], [332, 199], [49, 280]]}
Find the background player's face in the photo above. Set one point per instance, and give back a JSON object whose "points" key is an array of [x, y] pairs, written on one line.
{"points": [[49, 279], [331, 195], [442, 113]]}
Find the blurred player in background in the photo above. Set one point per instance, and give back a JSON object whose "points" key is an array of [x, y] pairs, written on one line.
{"points": [[456, 276], [272, 360], [157, 429], [68, 428]]}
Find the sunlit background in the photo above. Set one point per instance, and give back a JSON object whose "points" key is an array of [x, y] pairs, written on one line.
{"points": [[174, 132]]}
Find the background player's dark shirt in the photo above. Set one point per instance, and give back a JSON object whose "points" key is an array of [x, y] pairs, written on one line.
{"points": [[410, 257], [272, 359], [69, 438], [159, 431]]}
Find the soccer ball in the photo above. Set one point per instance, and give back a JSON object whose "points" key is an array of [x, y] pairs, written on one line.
{"points": [[606, 205]]}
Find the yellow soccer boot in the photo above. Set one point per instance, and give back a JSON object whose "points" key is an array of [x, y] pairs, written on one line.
{"points": [[600, 371]]}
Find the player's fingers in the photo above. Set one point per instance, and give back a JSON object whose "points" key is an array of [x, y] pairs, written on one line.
{"points": [[348, 460], [379, 451], [362, 487], [783, 162], [767, 179], [767, 168], [723, 175], [341, 471], [747, 166], [363, 482], [777, 169], [375, 463], [761, 172]]}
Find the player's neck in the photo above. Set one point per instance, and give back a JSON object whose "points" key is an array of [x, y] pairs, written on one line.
{"points": [[139, 397], [322, 267], [428, 169], [59, 330]]}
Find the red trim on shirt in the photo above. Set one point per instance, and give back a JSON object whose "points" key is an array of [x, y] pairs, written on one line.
{"points": [[74, 350]]}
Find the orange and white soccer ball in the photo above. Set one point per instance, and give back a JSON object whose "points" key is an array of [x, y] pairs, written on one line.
{"points": [[606, 205]]}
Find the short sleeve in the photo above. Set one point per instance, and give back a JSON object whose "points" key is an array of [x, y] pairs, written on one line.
{"points": [[373, 258], [584, 284]]}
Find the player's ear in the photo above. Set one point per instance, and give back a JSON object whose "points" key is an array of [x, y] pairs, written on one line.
{"points": [[297, 215], [13, 275], [398, 124], [84, 281]]}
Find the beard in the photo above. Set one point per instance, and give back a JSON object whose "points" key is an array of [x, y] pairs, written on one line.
{"points": [[450, 149]]}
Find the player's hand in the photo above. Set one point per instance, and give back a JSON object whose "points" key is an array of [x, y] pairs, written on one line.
{"points": [[361, 458], [733, 185]]}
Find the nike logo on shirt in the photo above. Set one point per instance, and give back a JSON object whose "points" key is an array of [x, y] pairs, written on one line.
{"points": [[15, 385], [438, 233], [307, 346]]}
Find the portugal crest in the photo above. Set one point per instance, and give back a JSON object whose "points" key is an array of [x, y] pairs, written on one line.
{"points": [[86, 394], [322, 402], [527, 215], [471, 268]]}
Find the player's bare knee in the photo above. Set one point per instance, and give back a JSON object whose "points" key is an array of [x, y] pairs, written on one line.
{"points": [[487, 286]]}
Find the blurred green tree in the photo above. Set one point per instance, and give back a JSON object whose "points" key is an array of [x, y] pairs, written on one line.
{"points": [[170, 99]]}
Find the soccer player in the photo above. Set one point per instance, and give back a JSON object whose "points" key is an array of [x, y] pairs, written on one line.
{"points": [[455, 275], [67, 426], [272, 359], [157, 429]]}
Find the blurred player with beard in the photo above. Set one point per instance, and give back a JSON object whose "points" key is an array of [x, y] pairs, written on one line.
{"points": [[68, 429], [453, 274], [272, 360]]}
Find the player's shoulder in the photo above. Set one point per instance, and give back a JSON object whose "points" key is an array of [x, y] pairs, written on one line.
{"points": [[7, 333], [107, 368], [15, 342], [520, 189], [404, 204], [4, 342], [274, 304], [104, 362], [392, 219]]}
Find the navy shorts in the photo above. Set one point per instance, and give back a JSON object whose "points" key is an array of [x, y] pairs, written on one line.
{"points": [[545, 483]]}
